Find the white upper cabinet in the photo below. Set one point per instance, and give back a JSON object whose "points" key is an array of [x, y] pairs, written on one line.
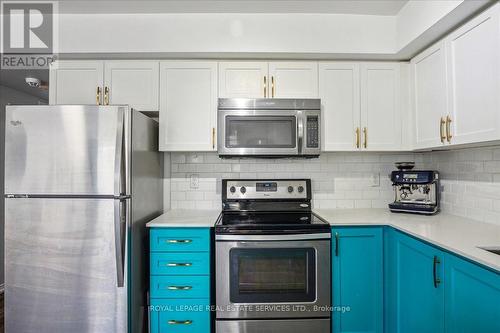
{"points": [[135, 83], [361, 107], [188, 105], [293, 79], [131, 82], [381, 126], [474, 76], [243, 79], [430, 96], [76, 82], [339, 90]]}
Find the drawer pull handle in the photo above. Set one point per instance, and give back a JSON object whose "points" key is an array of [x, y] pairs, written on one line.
{"points": [[179, 241], [179, 287], [180, 322], [179, 264]]}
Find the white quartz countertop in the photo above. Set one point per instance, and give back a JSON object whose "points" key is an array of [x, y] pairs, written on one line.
{"points": [[456, 234], [185, 218]]}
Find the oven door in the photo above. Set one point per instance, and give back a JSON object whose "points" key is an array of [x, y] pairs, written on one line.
{"points": [[258, 132], [272, 279]]}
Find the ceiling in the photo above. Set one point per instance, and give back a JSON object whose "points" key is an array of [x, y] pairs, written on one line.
{"points": [[359, 7], [14, 78]]}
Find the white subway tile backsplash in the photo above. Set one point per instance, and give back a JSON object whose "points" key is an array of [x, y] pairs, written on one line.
{"points": [[470, 178], [471, 182], [340, 180]]}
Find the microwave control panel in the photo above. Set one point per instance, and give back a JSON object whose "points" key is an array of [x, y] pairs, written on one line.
{"points": [[312, 140]]}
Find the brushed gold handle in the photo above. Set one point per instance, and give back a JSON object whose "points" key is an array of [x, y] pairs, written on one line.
{"points": [[179, 287], [358, 138], [448, 129], [265, 87], [179, 264], [106, 96], [365, 132], [180, 322], [181, 241], [442, 122], [213, 137], [98, 96], [272, 86]]}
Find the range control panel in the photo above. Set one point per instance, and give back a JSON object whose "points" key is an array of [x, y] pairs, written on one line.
{"points": [[266, 189]]}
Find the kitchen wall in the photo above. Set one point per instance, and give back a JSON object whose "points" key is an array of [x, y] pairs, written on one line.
{"points": [[470, 179], [471, 182], [340, 180]]}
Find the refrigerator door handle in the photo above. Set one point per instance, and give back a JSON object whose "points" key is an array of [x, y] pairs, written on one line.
{"points": [[119, 172], [120, 227]]}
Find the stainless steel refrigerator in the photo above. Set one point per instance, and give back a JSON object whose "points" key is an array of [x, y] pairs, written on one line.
{"points": [[80, 184]]}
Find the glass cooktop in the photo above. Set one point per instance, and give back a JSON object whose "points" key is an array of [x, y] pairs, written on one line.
{"points": [[270, 222]]}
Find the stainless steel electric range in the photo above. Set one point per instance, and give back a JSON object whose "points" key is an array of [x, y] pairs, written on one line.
{"points": [[272, 259]]}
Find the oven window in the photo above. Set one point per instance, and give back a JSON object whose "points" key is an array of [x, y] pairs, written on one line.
{"points": [[260, 132], [272, 275]]}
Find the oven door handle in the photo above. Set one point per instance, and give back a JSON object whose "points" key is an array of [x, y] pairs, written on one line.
{"points": [[300, 131], [325, 235]]}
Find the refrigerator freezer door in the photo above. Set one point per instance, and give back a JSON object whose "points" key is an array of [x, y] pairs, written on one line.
{"points": [[61, 269], [65, 150]]}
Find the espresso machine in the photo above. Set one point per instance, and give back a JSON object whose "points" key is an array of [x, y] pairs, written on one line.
{"points": [[415, 191]]}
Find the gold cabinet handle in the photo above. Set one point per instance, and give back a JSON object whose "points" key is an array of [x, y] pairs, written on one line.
{"points": [[213, 137], [179, 264], [365, 132], [106, 96], [442, 122], [448, 129], [272, 86], [179, 287], [265, 87], [180, 322], [358, 139], [98, 96], [179, 241]]}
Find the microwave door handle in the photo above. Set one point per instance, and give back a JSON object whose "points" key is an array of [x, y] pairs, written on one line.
{"points": [[300, 131]]}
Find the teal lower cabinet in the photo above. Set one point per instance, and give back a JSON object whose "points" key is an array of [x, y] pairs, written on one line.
{"points": [[179, 280], [357, 273], [179, 316], [414, 286], [472, 297]]}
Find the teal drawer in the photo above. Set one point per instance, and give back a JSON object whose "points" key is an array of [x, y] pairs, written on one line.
{"points": [[180, 239], [180, 263], [180, 286], [179, 316]]}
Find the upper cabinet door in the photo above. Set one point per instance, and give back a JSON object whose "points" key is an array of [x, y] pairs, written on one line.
{"points": [[76, 82], [293, 79], [188, 105], [474, 75], [430, 96], [243, 79], [340, 92], [135, 83], [380, 107]]}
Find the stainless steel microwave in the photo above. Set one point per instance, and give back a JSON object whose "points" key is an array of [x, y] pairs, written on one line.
{"points": [[268, 127]]}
